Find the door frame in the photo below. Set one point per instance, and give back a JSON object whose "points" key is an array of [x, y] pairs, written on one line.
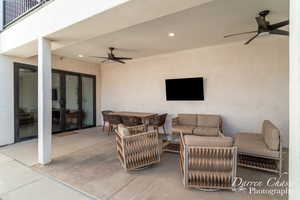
{"points": [[18, 66]]}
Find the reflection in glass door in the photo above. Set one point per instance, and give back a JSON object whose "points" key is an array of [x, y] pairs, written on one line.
{"points": [[88, 101], [27, 102], [72, 110], [57, 103]]}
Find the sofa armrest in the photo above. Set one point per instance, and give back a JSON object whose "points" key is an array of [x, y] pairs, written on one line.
{"points": [[175, 121], [221, 126]]}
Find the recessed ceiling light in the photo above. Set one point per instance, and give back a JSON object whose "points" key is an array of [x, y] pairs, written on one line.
{"points": [[171, 34], [80, 56]]}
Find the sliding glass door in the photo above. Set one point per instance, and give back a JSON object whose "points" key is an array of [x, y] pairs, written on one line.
{"points": [[73, 101], [72, 109], [26, 99], [57, 103]]}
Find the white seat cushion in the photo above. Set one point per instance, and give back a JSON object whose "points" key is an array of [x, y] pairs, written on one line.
{"points": [[206, 131], [187, 119], [185, 129], [212, 121], [200, 141], [271, 135], [123, 130]]}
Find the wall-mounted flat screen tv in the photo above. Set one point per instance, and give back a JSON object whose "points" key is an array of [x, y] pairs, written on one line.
{"points": [[185, 89]]}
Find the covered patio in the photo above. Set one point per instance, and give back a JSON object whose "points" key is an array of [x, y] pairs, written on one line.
{"points": [[248, 83], [87, 161]]}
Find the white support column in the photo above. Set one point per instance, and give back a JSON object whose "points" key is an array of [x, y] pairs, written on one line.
{"points": [[294, 135], [44, 101], [2, 14]]}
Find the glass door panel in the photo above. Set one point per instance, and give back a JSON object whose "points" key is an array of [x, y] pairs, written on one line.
{"points": [[27, 112], [73, 101], [57, 103], [88, 102], [72, 109]]}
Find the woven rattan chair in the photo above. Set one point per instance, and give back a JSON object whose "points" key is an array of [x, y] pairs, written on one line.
{"points": [[208, 163], [137, 148], [104, 116], [131, 121], [114, 121], [158, 121]]}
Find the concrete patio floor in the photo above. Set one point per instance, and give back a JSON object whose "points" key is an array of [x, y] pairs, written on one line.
{"points": [[18, 181], [85, 166]]}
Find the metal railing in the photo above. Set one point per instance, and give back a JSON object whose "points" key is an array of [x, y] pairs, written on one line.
{"points": [[15, 9]]}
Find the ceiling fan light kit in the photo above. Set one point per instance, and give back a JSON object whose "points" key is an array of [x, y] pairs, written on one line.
{"points": [[264, 26]]}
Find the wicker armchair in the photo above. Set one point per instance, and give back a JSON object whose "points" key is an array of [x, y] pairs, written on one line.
{"points": [[137, 148], [208, 162]]}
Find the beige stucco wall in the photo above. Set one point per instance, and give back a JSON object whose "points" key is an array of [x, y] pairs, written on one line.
{"points": [[244, 84]]}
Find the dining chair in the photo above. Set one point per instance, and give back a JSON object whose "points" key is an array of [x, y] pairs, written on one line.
{"points": [[158, 122], [114, 121], [104, 115]]}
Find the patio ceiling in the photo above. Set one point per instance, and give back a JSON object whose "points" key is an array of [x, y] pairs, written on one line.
{"points": [[93, 19], [200, 26], [195, 25]]}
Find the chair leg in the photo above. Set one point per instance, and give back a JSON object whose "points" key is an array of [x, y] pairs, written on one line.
{"points": [[103, 128], [113, 129], [156, 129], [109, 129], [164, 130]]}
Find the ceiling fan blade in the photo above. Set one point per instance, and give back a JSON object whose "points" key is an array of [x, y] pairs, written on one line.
{"points": [[279, 32], [261, 22], [123, 58], [105, 61], [119, 61], [98, 57], [251, 39], [279, 25], [226, 36]]}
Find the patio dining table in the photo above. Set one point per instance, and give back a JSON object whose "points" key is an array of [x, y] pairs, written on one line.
{"points": [[143, 116]]}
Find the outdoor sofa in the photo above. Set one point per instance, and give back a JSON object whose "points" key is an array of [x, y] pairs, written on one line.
{"points": [[261, 151], [197, 124]]}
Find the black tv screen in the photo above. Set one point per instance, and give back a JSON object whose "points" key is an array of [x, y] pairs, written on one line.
{"points": [[185, 89]]}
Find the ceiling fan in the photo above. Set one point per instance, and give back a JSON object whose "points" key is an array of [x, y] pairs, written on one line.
{"points": [[264, 26], [111, 57]]}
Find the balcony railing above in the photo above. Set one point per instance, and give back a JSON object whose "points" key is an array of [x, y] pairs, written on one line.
{"points": [[15, 9]]}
